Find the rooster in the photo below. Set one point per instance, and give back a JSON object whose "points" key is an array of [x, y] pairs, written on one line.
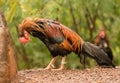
{"points": [[60, 40]]}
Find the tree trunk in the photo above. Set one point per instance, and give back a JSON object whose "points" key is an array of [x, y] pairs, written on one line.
{"points": [[8, 67]]}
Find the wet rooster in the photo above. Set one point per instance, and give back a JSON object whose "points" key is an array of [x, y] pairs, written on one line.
{"points": [[60, 40]]}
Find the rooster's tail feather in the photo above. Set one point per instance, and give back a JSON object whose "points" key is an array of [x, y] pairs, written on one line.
{"points": [[98, 54]]}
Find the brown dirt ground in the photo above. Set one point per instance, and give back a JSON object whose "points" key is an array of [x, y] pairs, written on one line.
{"points": [[92, 75]]}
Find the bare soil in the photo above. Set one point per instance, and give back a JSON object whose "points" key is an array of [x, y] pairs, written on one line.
{"points": [[92, 75]]}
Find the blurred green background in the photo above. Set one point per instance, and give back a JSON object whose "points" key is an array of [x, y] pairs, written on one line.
{"points": [[86, 17]]}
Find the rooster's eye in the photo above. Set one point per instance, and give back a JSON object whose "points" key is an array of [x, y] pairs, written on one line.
{"points": [[40, 24]]}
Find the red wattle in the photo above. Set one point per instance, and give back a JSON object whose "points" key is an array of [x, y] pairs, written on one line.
{"points": [[24, 40]]}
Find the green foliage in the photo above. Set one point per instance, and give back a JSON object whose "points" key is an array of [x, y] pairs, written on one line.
{"points": [[105, 13]]}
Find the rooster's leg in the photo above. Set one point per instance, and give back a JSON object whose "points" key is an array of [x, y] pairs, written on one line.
{"points": [[50, 66], [62, 67]]}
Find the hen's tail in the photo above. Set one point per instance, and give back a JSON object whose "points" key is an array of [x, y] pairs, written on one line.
{"points": [[98, 54]]}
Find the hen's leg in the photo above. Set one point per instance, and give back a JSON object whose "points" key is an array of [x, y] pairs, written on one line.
{"points": [[51, 63]]}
